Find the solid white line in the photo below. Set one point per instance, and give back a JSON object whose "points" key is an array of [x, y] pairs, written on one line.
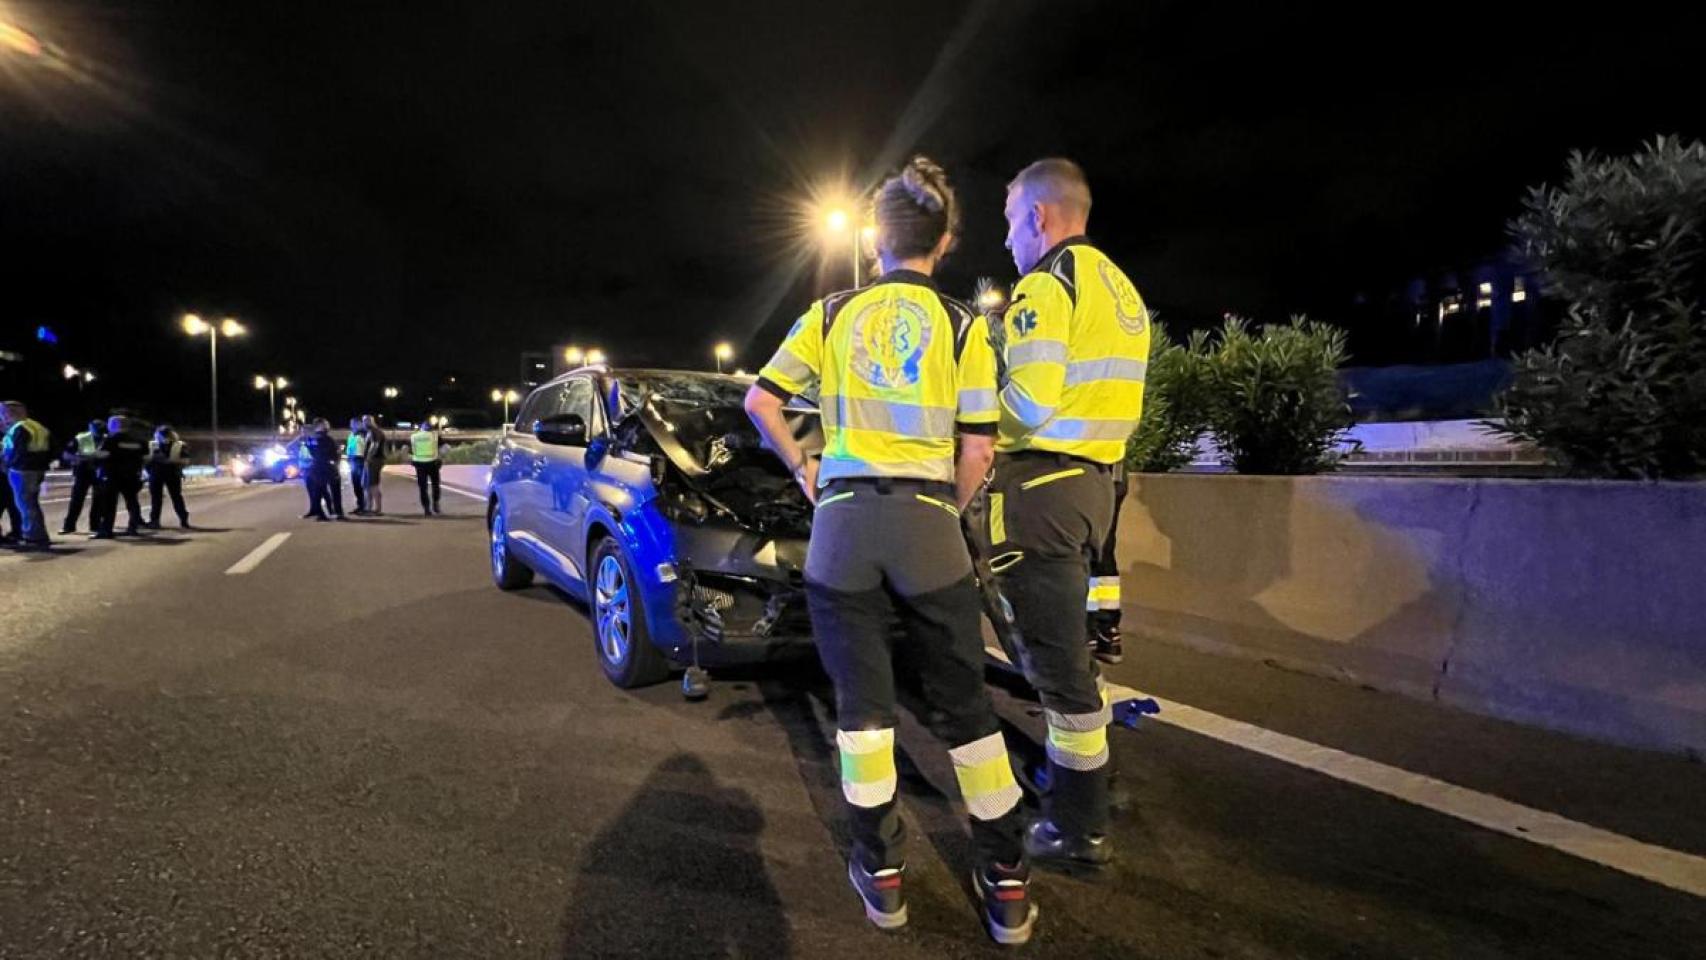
{"points": [[1671, 868], [258, 554], [474, 496]]}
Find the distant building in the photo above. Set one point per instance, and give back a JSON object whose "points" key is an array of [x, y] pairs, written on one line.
{"points": [[1489, 310], [536, 368]]}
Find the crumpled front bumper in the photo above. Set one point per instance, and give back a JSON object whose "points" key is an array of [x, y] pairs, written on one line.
{"points": [[738, 592]]}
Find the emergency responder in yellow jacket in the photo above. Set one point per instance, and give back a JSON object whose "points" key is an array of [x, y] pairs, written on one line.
{"points": [[167, 458], [1073, 350], [426, 457], [81, 454], [902, 373], [25, 454]]}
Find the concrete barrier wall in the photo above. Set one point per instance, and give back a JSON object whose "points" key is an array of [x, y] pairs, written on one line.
{"points": [[1579, 606]]}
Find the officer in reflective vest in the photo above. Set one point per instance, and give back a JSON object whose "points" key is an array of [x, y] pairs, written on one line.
{"points": [[25, 452], [355, 454], [1073, 348], [167, 457], [903, 374], [119, 474], [81, 455], [424, 455]]}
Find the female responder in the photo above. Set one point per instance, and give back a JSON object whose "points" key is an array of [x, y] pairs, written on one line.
{"points": [[903, 374]]}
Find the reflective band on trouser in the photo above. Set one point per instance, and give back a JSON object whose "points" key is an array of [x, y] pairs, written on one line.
{"points": [[867, 766], [1079, 741], [997, 518], [986, 778], [1104, 594]]}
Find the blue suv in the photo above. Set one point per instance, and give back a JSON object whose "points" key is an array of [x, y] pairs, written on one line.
{"points": [[646, 494]]}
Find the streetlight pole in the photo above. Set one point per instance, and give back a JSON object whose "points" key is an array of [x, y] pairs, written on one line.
{"points": [[195, 327], [722, 351]]}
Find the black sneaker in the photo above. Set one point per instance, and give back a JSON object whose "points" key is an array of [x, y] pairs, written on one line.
{"points": [[1045, 843], [882, 893], [1004, 893], [1105, 644]]}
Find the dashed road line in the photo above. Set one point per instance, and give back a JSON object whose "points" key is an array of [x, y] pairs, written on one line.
{"points": [[255, 556]]}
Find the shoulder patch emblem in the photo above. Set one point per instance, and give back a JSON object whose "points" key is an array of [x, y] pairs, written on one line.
{"points": [[1128, 307]]}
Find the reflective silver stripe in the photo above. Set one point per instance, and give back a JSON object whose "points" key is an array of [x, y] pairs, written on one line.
{"points": [[864, 413], [1080, 722], [1035, 351], [1029, 412], [842, 468], [1110, 368], [974, 402], [1071, 429], [792, 368]]}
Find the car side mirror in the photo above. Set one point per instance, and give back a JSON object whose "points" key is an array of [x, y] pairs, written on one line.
{"points": [[563, 430]]}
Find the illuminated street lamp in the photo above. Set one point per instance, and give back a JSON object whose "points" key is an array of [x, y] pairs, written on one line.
{"points": [[81, 376], [574, 356], [228, 328], [391, 393], [506, 397], [595, 357], [838, 221], [722, 351], [271, 385]]}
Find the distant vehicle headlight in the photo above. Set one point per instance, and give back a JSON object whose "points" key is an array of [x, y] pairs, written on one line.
{"points": [[273, 455]]}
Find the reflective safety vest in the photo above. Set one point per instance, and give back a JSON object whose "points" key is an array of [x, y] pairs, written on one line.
{"points": [[898, 369], [25, 446], [174, 452], [423, 446], [1075, 341], [355, 447], [87, 444]]}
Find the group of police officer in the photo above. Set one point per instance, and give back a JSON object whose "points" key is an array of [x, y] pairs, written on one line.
{"points": [[109, 459], [925, 406], [363, 453]]}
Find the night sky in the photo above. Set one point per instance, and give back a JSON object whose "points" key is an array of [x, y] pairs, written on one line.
{"points": [[386, 193]]}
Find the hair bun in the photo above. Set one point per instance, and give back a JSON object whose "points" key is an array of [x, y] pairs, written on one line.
{"points": [[926, 182]]}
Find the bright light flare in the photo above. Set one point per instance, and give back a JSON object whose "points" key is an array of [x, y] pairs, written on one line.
{"points": [[71, 372], [835, 221], [16, 39], [194, 325], [574, 356], [595, 356], [229, 327], [723, 351]]}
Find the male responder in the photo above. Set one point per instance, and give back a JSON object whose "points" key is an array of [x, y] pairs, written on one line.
{"points": [[375, 469], [355, 454], [119, 474], [80, 452], [26, 454], [324, 452], [303, 456], [902, 373], [1073, 348], [424, 454], [1102, 609], [167, 457]]}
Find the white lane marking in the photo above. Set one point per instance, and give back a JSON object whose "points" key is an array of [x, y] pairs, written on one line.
{"points": [[476, 496], [258, 554], [1661, 865]]}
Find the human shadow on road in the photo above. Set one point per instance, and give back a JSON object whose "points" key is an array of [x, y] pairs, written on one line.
{"points": [[677, 873]]}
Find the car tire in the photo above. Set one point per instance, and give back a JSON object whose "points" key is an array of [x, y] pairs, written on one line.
{"points": [[508, 572], [619, 634]]}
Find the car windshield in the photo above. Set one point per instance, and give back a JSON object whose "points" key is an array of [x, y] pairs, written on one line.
{"points": [[697, 389]]}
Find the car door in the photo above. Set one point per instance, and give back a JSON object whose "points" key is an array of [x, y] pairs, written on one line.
{"points": [[518, 477], [564, 482]]}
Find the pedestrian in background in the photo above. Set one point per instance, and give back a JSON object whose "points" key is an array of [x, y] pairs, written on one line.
{"points": [[375, 471], [167, 457], [26, 452], [906, 376], [1073, 348], [118, 474], [324, 454], [355, 454], [424, 454], [80, 454]]}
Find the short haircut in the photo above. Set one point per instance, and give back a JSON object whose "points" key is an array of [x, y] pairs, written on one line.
{"points": [[1057, 181]]}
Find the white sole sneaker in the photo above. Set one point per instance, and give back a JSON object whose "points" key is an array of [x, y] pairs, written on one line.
{"points": [[1006, 936], [879, 919]]}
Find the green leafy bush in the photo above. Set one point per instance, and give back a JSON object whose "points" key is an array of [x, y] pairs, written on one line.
{"points": [[478, 452], [1175, 406], [1274, 401], [1271, 400], [1622, 393]]}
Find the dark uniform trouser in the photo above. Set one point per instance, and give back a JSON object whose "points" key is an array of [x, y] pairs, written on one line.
{"points": [[82, 478], [873, 555], [1106, 565], [316, 489], [169, 480], [1048, 516], [107, 493], [9, 509], [331, 486], [426, 475], [358, 482]]}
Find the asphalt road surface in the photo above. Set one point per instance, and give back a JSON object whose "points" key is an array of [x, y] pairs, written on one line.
{"points": [[359, 747]]}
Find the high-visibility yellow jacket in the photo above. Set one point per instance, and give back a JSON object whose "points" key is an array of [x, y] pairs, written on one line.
{"points": [[423, 446], [1075, 351], [898, 369]]}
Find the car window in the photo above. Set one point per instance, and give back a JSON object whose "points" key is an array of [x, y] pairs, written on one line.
{"points": [[578, 400], [534, 408]]}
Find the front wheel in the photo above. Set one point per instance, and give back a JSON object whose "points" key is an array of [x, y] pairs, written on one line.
{"points": [[507, 572], [625, 650]]}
